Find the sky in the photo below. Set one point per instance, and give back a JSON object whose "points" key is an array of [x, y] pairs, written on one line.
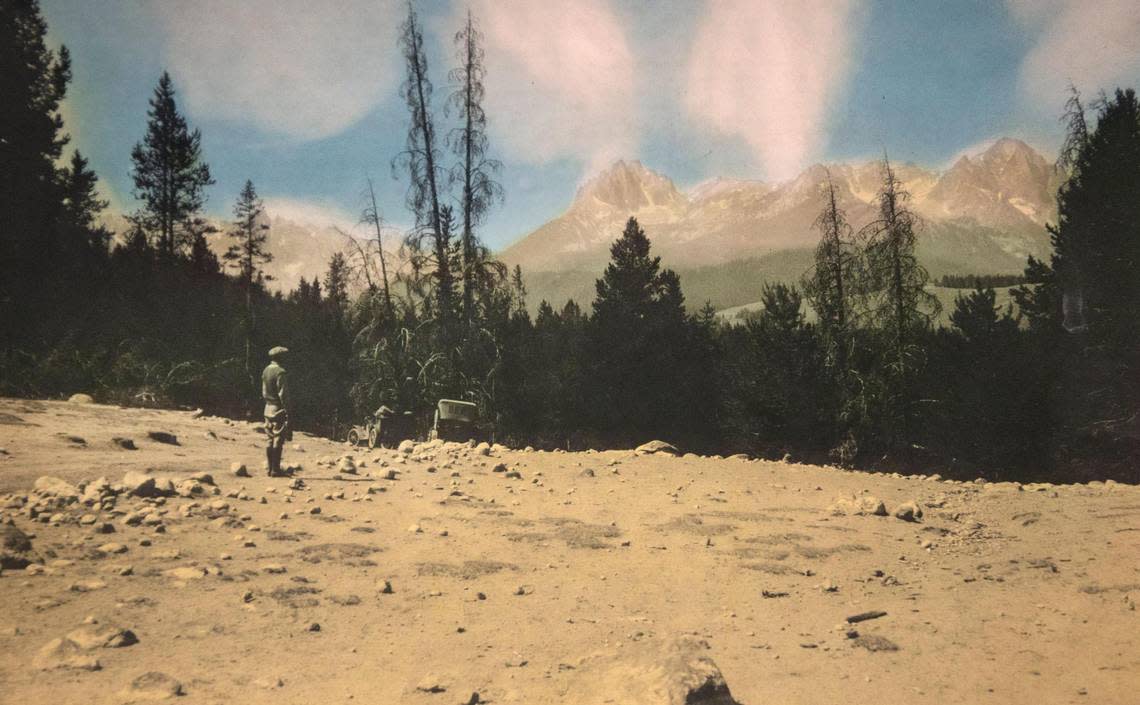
{"points": [[302, 97]]}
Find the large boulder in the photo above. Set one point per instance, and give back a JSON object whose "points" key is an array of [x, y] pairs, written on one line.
{"points": [[95, 491], [858, 506], [15, 548], [48, 486], [105, 636], [141, 484], [654, 447], [676, 672]]}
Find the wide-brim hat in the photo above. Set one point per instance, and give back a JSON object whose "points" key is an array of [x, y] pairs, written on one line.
{"points": [[277, 351]]}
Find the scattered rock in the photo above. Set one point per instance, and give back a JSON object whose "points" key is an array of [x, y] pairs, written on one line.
{"points": [[431, 684], [874, 642], [124, 443], [47, 486], [499, 467], [15, 548], [864, 616], [676, 672], [273, 568], [406, 447], [110, 548], [654, 447], [908, 511], [858, 506], [139, 484], [151, 685], [64, 654], [239, 470], [185, 573], [81, 399], [163, 437], [106, 636]]}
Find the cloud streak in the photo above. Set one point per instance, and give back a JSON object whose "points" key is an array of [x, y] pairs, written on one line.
{"points": [[560, 80], [1092, 45], [767, 72], [282, 66]]}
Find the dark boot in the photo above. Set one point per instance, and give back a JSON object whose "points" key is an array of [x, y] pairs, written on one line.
{"points": [[277, 453], [270, 461]]}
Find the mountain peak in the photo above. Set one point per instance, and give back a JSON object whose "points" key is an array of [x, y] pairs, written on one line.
{"points": [[630, 186]]}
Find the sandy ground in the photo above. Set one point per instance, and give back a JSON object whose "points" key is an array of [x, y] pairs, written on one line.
{"points": [[501, 585]]}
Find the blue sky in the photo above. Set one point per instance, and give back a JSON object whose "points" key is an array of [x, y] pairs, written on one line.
{"points": [[302, 98]]}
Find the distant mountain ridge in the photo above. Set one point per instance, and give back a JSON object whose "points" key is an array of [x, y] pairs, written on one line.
{"points": [[984, 214], [1005, 194], [300, 250]]}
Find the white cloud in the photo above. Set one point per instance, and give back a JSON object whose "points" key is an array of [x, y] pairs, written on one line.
{"points": [[560, 80], [767, 72], [287, 67], [1093, 45]]}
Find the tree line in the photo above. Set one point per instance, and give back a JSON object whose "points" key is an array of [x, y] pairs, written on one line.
{"points": [[153, 316]]}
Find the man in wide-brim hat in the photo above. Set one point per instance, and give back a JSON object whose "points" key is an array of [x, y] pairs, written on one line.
{"points": [[275, 391]]}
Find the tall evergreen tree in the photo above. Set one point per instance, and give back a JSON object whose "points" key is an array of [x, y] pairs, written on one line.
{"points": [[249, 253], [474, 171], [1091, 287], [33, 82], [336, 281], [169, 175], [640, 343]]}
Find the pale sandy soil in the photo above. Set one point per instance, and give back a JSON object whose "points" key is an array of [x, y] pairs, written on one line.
{"points": [[1021, 595]]}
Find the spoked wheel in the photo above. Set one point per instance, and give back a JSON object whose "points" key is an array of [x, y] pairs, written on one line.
{"points": [[353, 437], [373, 437]]}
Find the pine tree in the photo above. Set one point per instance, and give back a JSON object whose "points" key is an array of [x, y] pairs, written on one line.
{"points": [[474, 171], [249, 254], [830, 286], [898, 304], [640, 343], [518, 292], [1091, 288], [336, 281], [169, 175], [33, 82], [82, 205]]}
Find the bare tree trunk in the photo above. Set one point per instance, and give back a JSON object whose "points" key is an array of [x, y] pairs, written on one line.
{"points": [[380, 248]]}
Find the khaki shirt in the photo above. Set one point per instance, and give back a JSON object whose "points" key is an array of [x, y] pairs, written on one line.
{"points": [[274, 390]]}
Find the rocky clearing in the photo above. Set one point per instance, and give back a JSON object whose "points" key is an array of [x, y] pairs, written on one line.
{"points": [[448, 574]]}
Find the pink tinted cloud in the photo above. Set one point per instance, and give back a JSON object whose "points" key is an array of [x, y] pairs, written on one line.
{"points": [[767, 72]]}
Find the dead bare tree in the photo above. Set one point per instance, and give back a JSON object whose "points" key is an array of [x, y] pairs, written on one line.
{"points": [[421, 160]]}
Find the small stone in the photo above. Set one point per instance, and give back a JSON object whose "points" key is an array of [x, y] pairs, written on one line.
{"points": [[499, 467], [314, 627], [112, 548], [273, 568], [386, 588], [239, 470], [431, 684], [415, 529]]}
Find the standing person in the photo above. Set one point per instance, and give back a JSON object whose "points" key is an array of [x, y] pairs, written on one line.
{"points": [[275, 391]]}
